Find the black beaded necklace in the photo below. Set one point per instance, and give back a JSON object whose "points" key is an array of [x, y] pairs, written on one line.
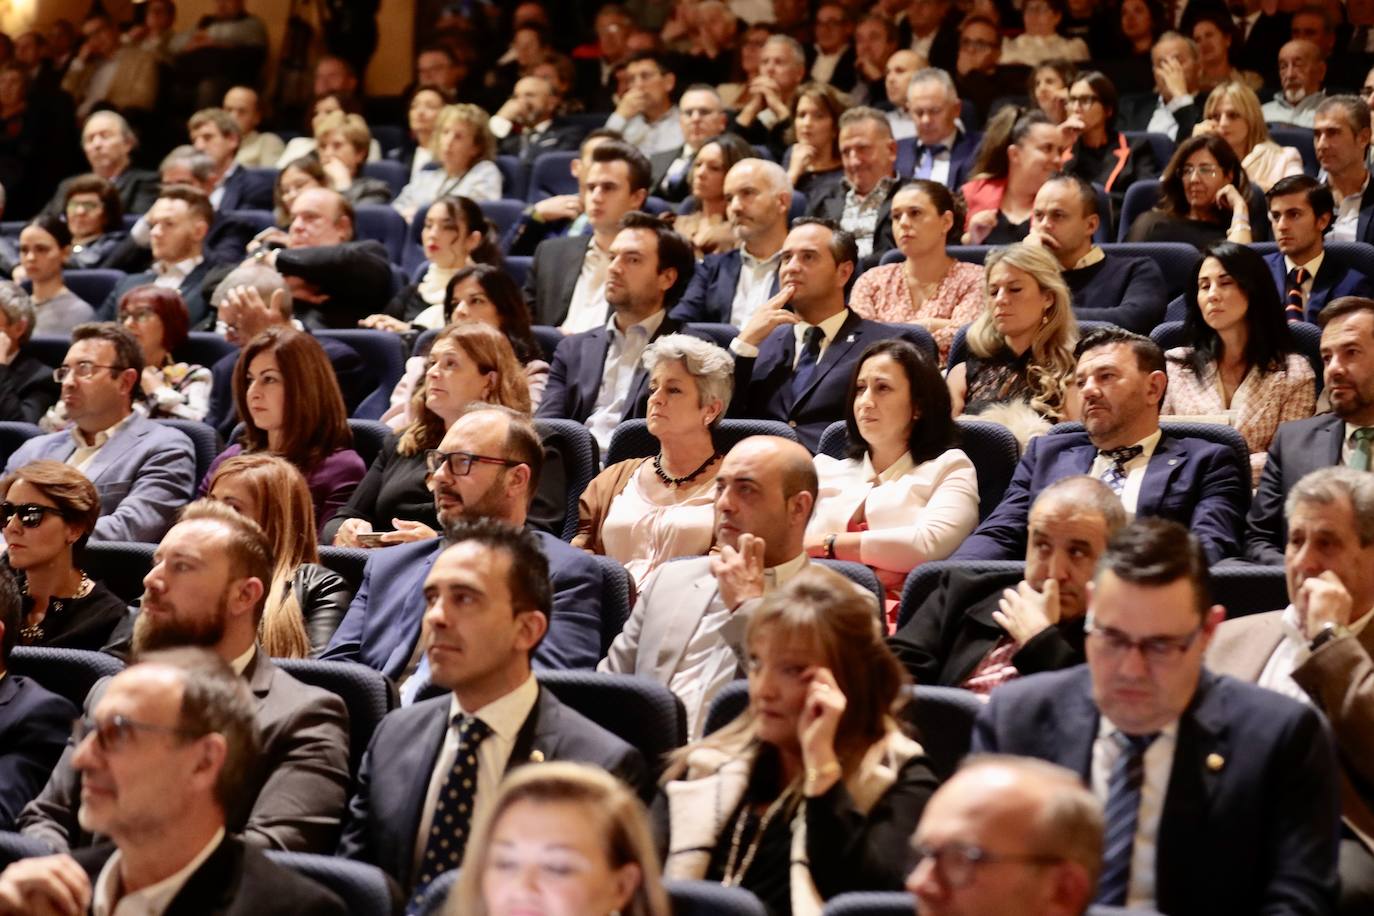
{"points": [[679, 481]]}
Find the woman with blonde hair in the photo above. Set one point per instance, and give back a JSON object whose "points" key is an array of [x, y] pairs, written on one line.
{"points": [[305, 601], [342, 142], [1021, 348], [1233, 113], [469, 361], [815, 788], [562, 838], [465, 149]]}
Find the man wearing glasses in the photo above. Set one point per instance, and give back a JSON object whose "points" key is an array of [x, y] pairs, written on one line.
{"points": [[1219, 797], [487, 466]]}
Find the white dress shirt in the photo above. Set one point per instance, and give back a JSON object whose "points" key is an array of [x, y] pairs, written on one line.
{"points": [[830, 328], [505, 717], [823, 68], [172, 275], [1311, 267], [1135, 470], [661, 136], [588, 309], [1348, 444], [622, 362], [1347, 223], [152, 900], [1294, 649], [755, 286], [940, 162], [1162, 119], [217, 195], [1159, 762]]}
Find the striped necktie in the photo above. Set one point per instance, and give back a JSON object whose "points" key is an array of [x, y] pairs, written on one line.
{"points": [[1121, 816], [1294, 303]]}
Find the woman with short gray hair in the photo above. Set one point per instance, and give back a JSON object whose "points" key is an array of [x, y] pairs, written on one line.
{"points": [[643, 511]]}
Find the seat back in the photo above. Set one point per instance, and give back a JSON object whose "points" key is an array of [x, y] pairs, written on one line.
{"points": [[617, 595], [969, 254], [204, 440], [861, 576], [436, 895], [1161, 145], [413, 254], [120, 565], [1174, 259], [383, 224], [368, 694], [385, 353], [1140, 197], [1308, 338], [727, 705], [548, 338], [347, 562], [870, 903], [1247, 589], [369, 437], [720, 334], [710, 898], [943, 721], [204, 348], [392, 172], [641, 712], [1228, 436], [515, 177], [49, 349], [919, 337], [551, 176], [1300, 138], [363, 887], [14, 433], [257, 219], [518, 267], [502, 214], [921, 581], [580, 462], [70, 673], [632, 439], [92, 285]]}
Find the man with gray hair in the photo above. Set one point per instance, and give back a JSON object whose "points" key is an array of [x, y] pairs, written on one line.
{"points": [[27, 389], [944, 151], [1340, 135], [862, 202], [1174, 109], [1302, 71], [108, 141], [765, 114], [701, 116], [1319, 650]]}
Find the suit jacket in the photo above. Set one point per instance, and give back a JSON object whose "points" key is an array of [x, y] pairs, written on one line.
{"points": [[292, 797], [762, 382], [192, 291], [1256, 834], [659, 186], [236, 880], [953, 630], [529, 146], [1192, 481], [144, 474], [1299, 447], [382, 625], [245, 190], [552, 277], [34, 727], [1339, 678], [26, 389], [385, 811], [710, 296], [575, 375], [829, 204], [356, 380], [1333, 280], [354, 278], [1136, 111]]}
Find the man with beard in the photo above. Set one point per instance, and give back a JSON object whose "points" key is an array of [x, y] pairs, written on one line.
{"points": [[487, 466], [1192, 481], [1301, 73], [207, 588]]}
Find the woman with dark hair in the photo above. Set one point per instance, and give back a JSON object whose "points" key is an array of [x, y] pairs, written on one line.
{"points": [[286, 393], [44, 244], [422, 113], [1048, 87], [813, 160], [95, 216], [1020, 151], [1102, 154], [158, 319], [1214, 32], [904, 494], [1125, 50], [298, 175], [1203, 198], [469, 361], [1243, 362], [1041, 40], [701, 217], [48, 514], [813, 790], [929, 288]]}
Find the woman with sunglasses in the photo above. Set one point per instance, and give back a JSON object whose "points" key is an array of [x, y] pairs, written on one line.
{"points": [[48, 513]]}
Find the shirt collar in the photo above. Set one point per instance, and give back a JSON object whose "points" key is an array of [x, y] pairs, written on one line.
{"points": [[1106, 728], [241, 663], [775, 576], [155, 898], [1311, 266], [830, 327], [101, 437], [506, 714], [1148, 444], [895, 470], [228, 173], [754, 263], [650, 325], [1094, 255], [180, 268], [879, 190]]}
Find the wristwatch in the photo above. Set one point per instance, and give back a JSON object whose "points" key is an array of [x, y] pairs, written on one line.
{"points": [[1326, 634]]}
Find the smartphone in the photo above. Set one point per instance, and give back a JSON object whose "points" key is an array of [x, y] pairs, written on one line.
{"points": [[372, 539]]}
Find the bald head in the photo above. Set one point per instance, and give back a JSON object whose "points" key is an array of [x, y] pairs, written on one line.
{"points": [[757, 199], [766, 488], [1301, 70], [900, 68]]}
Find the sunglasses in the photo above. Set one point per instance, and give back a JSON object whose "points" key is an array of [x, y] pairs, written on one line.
{"points": [[30, 514]]}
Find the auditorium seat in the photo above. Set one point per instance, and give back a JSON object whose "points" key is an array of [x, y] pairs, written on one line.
{"points": [[551, 176], [92, 285], [435, 898], [385, 353], [390, 171], [14, 433], [518, 266], [368, 694], [258, 219], [617, 598], [120, 565], [204, 348], [502, 214], [70, 673], [1245, 588], [632, 439], [580, 457], [1175, 260], [363, 887], [639, 711], [1300, 138], [709, 898], [48, 349], [721, 334], [923, 579], [369, 436], [347, 562], [1161, 145], [515, 177], [383, 224], [871, 903], [203, 438]]}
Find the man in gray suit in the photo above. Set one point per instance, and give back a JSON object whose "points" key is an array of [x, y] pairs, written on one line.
{"points": [[207, 588], [143, 470], [687, 628]]}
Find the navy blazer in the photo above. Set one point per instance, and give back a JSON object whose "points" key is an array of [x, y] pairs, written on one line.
{"points": [[1364, 229], [710, 296], [1251, 818], [192, 291], [382, 625], [829, 204], [1333, 280], [245, 190], [1298, 448], [34, 727], [1192, 481], [384, 813], [961, 157], [761, 383]]}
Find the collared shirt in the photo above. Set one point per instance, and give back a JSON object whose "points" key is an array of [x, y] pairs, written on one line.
{"points": [[940, 162], [709, 661], [1135, 470], [901, 124], [1244, 23], [1347, 223], [588, 309], [1302, 113], [755, 286], [171, 275], [860, 215], [622, 362], [1348, 444], [217, 195], [152, 900], [259, 150], [823, 68], [677, 169], [1162, 120], [1159, 761], [1094, 255], [240, 664], [85, 454], [505, 717], [661, 136], [922, 45], [1293, 650], [830, 329], [1311, 267]]}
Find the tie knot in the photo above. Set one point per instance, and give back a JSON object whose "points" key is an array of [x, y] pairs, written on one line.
{"points": [[934, 149], [813, 337], [471, 730], [1135, 745], [1363, 434], [1121, 455], [1297, 276]]}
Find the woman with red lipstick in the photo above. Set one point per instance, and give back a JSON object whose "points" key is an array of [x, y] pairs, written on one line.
{"points": [[49, 511], [815, 789], [1243, 363]]}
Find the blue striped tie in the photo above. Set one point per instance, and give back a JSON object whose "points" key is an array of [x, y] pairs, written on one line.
{"points": [[1120, 817]]}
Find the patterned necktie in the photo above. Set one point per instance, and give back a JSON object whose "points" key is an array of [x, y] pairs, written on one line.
{"points": [[1115, 474], [927, 164], [448, 832], [1359, 454], [1293, 304], [1120, 817], [806, 365]]}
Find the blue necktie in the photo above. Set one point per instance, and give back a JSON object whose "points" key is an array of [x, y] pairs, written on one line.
{"points": [[806, 365], [1120, 817], [1115, 474], [927, 163], [448, 833]]}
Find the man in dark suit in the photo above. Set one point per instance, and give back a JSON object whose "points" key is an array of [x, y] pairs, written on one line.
{"points": [[765, 106], [830, 59], [794, 358], [702, 116], [1121, 378], [1177, 104], [1340, 135], [490, 601], [178, 223], [34, 722], [108, 141], [1319, 648], [596, 377], [215, 133], [1260, 36], [978, 630], [944, 151], [861, 202], [1340, 437], [728, 288], [931, 29], [1301, 211], [382, 626], [566, 285], [525, 126], [27, 388], [208, 588], [1241, 810], [167, 744]]}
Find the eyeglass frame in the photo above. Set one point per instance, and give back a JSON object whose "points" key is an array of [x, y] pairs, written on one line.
{"points": [[9, 510], [1185, 170], [434, 459], [60, 374], [84, 726], [138, 316], [959, 872], [1087, 101], [1155, 650]]}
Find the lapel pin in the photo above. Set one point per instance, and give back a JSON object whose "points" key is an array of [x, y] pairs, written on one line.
{"points": [[1215, 762], [537, 756], [849, 339], [1173, 461]]}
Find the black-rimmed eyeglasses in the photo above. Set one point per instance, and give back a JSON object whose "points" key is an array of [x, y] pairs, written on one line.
{"points": [[957, 862], [114, 732], [460, 463]]}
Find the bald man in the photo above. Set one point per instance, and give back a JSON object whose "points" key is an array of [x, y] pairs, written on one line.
{"points": [[1302, 70], [728, 288], [687, 628]]}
